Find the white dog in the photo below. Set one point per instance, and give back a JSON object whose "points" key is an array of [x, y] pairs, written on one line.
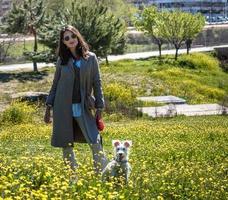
{"points": [[119, 166]]}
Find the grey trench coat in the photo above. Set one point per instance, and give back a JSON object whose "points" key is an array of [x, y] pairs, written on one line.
{"points": [[65, 129]]}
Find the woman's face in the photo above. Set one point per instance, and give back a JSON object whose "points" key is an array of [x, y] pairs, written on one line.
{"points": [[70, 39]]}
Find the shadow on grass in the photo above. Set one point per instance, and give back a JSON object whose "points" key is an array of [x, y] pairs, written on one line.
{"points": [[165, 59], [23, 76]]}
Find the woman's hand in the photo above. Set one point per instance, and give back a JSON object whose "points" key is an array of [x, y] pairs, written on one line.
{"points": [[99, 121], [47, 115]]}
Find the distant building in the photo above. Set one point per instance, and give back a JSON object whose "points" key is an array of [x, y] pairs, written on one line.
{"points": [[5, 6], [210, 8], [138, 3]]}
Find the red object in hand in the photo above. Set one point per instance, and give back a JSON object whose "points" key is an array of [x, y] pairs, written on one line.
{"points": [[100, 124]]}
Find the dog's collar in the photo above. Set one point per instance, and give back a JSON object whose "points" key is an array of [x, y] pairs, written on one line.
{"points": [[124, 161]]}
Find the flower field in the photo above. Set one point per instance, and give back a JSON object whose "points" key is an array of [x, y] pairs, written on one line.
{"points": [[175, 158], [171, 158]]}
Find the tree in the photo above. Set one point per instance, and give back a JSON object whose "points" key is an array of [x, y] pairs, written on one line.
{"points": [[178, 26], [150, 22], [100, 28], [35, 13], [14, 21], [49, 36], [195, 25], [53, 5], [31, 14], [4, 48], [173, 28], [119, 8]]}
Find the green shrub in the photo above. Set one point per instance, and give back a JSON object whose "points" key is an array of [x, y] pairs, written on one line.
{"points": [[114, 117], [119, 93], [211, 92], [199, 61], [194, 91], [18, 112], [119, 97]]}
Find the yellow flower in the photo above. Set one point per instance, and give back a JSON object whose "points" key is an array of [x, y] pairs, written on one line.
{"points": [[160, 198]]}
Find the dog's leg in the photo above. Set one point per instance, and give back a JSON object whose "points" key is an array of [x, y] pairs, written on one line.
{"points": [[104, 174], [128, 172], [108, 171]]}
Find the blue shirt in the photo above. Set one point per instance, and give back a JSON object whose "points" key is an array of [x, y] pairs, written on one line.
{"points": [[76, 107]]}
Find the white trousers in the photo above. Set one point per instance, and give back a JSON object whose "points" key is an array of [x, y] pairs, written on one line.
{"points": [[99, 159]]}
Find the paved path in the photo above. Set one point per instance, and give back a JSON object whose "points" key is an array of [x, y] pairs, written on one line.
{"points": [[18, 39], [23, 67], [156, 53], [177, 106], [184, 109], [29, 66], [163, 99]]}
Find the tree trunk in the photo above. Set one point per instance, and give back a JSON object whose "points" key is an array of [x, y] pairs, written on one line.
{"points": [[106, 59], [159, 47], [176, 54], [188, 50], [188, 45], [35, 50]]}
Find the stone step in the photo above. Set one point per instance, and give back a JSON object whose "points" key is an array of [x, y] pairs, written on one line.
{"points": [[163, 99], [188, 110], [30, 96]]}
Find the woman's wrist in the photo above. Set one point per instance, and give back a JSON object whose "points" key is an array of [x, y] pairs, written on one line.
{"points": [[99, 109], [48, 106]]}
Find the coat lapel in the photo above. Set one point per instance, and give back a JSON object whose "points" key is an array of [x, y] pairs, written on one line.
{"points": [[83, 65], [71, 66]]}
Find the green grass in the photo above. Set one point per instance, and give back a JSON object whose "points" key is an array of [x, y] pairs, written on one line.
{"points": [[200, 80], [175, 158], [132, 48], [171, 158], [17, 49]]}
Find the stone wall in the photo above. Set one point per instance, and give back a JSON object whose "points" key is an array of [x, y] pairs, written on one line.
{"points": [[212, 36], [222, 53], [208, 37]]}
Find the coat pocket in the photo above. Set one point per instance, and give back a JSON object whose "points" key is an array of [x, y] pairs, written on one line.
{"points": [[90, 102]]}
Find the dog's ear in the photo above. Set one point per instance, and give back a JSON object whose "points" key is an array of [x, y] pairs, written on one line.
{"points": [[115, 143], [127, 143]]}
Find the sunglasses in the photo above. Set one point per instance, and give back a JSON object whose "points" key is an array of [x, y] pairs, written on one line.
{"points": [[67, 38]]}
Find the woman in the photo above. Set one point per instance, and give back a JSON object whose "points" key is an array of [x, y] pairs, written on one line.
{"points": [[76, 78]]}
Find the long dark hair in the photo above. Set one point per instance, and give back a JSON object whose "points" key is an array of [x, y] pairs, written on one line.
{"points": [[82, 48]]}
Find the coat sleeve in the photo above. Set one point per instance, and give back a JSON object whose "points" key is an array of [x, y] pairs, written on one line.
{"points": [[97, 88], [51, 97]]}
